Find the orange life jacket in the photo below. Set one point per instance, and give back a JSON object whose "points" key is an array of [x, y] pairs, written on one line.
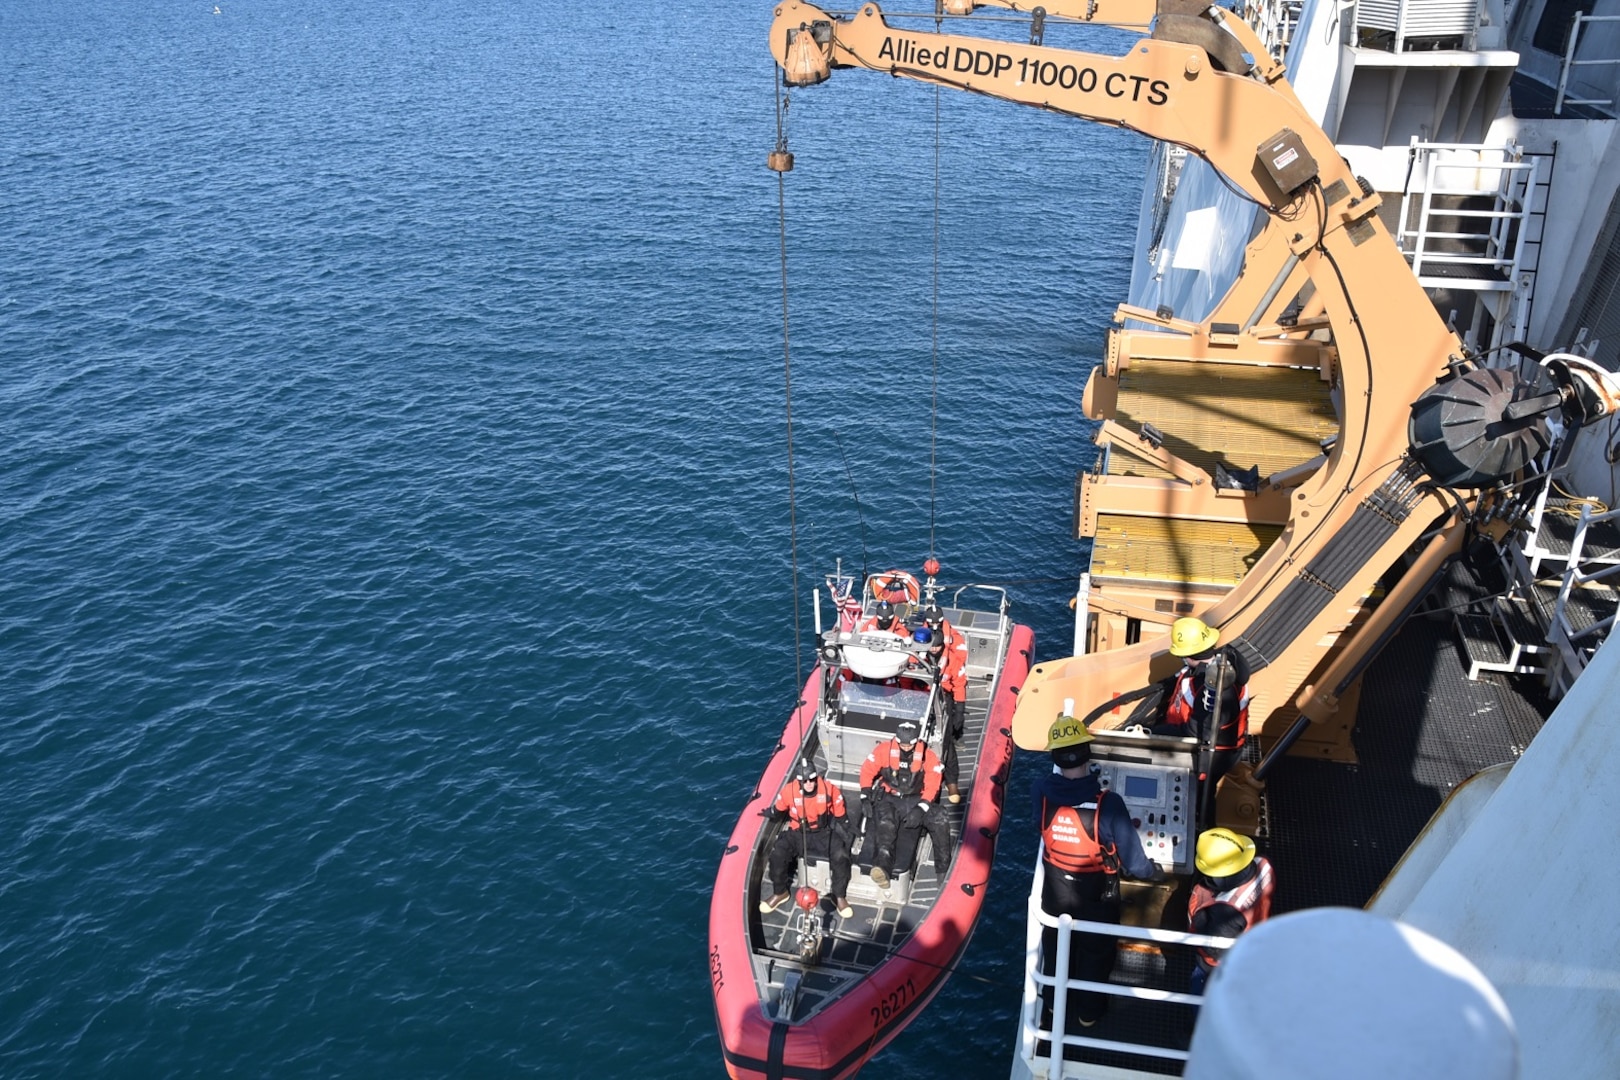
{"points": [[920, 775], [1234, 731], [897, 626], [1069, 845], [953, 663], [1251, 899], [817, 811]]}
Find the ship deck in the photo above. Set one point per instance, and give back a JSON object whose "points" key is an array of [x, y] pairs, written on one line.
{"points": [[1335, 831]]}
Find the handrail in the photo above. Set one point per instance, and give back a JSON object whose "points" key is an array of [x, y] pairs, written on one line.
{"points": [[1571, 62], [1442, 19], [1082, 614], [1059, 985], [1561, 632], [1502, 173]]}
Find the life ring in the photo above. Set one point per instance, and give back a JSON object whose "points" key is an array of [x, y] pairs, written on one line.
{"points": [[895, 586]]}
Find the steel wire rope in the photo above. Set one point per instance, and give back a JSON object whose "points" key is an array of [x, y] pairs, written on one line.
{"points": [[787, 383], [933, 409], [860, 512]]}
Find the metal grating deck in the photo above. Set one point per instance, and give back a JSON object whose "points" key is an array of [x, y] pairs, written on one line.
{"points": [[1272, 417], [1334, 832], [1177, 550]]}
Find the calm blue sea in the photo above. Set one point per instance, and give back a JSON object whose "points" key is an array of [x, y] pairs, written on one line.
{"points": [[395, 582]]}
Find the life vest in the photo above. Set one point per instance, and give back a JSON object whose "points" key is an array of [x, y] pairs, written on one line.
{"points": [[870, 624], [1251, 899], [1234, 730], [817, 811], [901, 773], [953, 662], [1070, 846]]}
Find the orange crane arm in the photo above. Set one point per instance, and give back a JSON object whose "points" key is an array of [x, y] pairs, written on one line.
{"points": [[1352, 518]]}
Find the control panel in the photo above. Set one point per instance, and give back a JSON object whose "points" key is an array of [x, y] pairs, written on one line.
{"points": [[1160, 800]]}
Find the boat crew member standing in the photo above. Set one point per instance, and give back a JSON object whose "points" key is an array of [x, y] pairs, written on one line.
{"points": [[1231, 894], [900, 783], [1087, 841], [949, 650], [1191, 700], [817, 827]]}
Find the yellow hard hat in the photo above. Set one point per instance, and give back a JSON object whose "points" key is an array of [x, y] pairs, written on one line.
{"points": [[1191, 636], [1067, 732], [1222, 852]]}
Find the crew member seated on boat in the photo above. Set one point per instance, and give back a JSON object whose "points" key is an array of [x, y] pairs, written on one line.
{"points": [[1191, 701], [817, 828], [884, 618], [1231, 894], [1088, 841], [899, 785]]}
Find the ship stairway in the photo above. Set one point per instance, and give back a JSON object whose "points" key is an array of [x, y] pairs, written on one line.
{"points": [[1471, 224], [1546, 600], [1585, 604]]}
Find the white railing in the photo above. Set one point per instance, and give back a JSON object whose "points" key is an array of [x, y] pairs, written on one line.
{"points": [[1490, 259], [1571, 62], [1574, 645], [1082, 615], [1419, 19], [1275, 22], [1031, 1034]]}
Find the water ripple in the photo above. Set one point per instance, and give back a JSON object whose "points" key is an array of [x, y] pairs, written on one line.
{"points": [[396, 602]]}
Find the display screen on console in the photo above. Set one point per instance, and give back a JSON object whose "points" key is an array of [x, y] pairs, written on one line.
{"points": [[1141, 787]]}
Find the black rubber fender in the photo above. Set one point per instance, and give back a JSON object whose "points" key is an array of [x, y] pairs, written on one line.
{"points": [[1224, 52]]}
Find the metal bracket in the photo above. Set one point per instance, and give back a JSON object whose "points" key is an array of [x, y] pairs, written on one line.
{"points": [[1037, 25]]}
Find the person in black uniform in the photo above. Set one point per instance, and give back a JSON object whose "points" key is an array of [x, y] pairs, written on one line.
{"points": [[1087, 841]]}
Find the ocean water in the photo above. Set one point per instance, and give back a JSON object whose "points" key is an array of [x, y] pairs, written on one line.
{"points": [[396, 583]]}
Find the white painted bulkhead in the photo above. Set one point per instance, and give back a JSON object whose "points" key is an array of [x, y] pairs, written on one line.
{"points": [[1524, 884]]}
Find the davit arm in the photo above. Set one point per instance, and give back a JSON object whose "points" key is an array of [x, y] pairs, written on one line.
{"points": [[1351, 519]]}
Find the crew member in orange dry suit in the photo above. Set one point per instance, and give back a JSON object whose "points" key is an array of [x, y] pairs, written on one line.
{"points": [[899, 785], [1088, 840], [1192, 701], [883, 617], [1231, 894], [817, 827], [949, 652]]}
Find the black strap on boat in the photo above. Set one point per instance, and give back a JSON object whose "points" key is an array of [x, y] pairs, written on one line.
{"points": [[774, 1054]]}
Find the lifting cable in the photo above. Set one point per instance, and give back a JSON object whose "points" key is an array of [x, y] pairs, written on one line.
{"points": [[780, 161], [933, 410]]}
